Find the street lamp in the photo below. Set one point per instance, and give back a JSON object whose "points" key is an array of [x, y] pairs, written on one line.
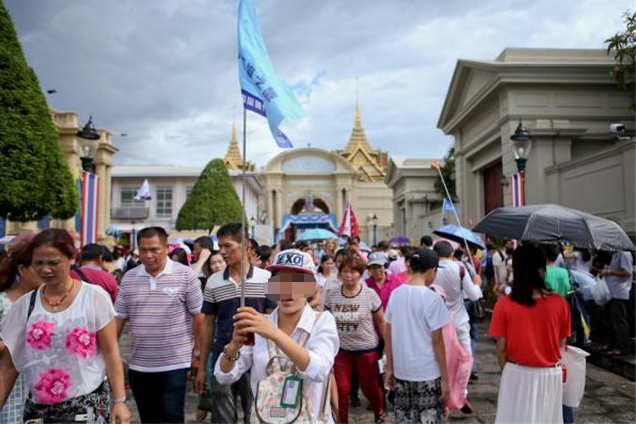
{"points": [[89, 141], [253, 227], [373, 219], [521, 143]]}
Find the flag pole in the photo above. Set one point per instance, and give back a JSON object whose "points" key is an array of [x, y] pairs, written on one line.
{"points": [[243, 229], [439, 171]]}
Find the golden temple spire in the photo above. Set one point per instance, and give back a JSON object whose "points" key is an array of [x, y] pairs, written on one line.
{"points": [[370, 163], [233, 158], [358, 138]]}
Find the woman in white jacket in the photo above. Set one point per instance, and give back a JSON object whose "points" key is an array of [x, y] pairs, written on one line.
{"points": [[292, 281]]}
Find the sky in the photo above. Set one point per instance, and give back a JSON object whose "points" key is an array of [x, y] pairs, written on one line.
{"points": [[164, 72]]}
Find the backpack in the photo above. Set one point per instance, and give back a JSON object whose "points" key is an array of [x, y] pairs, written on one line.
{"points": [[489, 269], [273, 404]]}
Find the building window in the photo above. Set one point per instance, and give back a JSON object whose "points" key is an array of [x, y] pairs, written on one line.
{"points": [[164, 201], [127, 197], [188, 191]]}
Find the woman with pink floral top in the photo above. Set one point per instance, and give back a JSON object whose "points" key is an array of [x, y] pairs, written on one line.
{"points": [[62, 339]]}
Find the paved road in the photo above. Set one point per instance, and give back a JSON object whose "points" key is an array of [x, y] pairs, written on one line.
{"points": [[609, 398]]}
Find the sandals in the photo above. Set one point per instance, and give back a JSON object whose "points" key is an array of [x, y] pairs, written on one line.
{"points": [[202, 414]]}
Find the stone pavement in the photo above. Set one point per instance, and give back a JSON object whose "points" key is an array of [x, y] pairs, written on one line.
{"points": [[609, 398]]}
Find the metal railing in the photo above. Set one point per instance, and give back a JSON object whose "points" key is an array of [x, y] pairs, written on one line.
{"points": [[129, 213]]}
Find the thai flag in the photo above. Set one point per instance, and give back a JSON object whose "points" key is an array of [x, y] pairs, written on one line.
{"points": [[90, 190], [516, 184], [349, 226]]}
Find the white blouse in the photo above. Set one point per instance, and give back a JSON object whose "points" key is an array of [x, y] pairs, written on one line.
{"points": [[57, 352], [322, 344]]}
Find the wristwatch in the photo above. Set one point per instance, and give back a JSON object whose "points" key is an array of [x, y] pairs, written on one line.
{"points": [[119, 400]]}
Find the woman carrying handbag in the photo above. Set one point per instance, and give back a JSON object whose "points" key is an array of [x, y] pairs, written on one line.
{"points": [[62, 338], [294, 349]]}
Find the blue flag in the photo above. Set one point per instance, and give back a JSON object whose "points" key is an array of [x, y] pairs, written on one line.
{"points": [[263, 91], [448, 206]]}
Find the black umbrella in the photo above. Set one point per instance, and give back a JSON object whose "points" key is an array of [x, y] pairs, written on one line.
{"points": [[555, 224]]}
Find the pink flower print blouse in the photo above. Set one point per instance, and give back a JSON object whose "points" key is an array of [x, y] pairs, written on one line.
{"points": [[51, 386], [58, 352], [81, 342], [39, 335]]}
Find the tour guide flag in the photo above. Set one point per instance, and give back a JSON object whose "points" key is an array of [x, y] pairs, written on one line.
{"points": [[263, 91], [143, 192], [448, 206]]}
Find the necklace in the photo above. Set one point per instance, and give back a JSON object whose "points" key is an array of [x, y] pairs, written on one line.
{"points": [[54, 305]]}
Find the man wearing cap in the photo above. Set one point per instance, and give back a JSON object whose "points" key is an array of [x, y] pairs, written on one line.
{"points": [[221, 301], [379, 280], [456, 282], [416, 363]]}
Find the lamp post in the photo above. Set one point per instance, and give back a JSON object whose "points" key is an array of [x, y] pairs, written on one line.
{"points": [[89, 141], [373, 220], [521, 143], [253, 227]]}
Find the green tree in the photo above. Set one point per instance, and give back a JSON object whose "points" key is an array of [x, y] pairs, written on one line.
{"points": [[447, 168], [623, 46], [35, 180], [213, 200]]}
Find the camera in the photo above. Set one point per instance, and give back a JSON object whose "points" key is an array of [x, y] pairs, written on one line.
{"points": [[617, 128]]}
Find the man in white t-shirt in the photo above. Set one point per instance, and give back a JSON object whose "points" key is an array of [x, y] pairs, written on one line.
{"points": [[499, 267], [455, 280]]}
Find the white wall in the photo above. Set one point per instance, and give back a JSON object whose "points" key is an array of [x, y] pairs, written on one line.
{"points": [[179, 185]]}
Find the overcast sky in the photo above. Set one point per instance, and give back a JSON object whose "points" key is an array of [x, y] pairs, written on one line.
{"points": [[165, 73]]}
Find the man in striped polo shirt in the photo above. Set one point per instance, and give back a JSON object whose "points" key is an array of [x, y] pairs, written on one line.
{"points": [[221, 301], [162, 301]]}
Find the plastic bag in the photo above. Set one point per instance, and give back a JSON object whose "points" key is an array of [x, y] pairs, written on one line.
{"points": [[459, 362], [600, 292], [584, 280], [574, 361]]}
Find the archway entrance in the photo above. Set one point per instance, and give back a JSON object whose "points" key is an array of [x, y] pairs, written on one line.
{"points": [[306, 214], [309, 206]]}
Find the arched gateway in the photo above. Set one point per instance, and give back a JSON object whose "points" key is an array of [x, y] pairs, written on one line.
{"points": [[306, 188], [309, 187]]}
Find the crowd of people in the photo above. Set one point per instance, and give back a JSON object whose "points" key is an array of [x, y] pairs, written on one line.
{"points": [[318, 323]]}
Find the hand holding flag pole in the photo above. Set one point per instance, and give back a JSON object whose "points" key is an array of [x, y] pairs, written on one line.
{"points": [[263, 93]]}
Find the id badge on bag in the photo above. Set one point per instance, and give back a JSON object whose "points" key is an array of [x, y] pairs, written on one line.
{"points": [[292, 388]]}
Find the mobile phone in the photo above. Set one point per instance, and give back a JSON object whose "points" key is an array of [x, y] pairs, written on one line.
{"points": [[250, 339]]}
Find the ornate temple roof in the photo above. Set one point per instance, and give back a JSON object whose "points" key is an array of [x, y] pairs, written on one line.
{"points": [[233, 158], [358, 137], [370, 163]]}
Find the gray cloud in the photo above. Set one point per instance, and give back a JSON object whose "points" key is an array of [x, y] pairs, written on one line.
{"points": [[164, 72]]}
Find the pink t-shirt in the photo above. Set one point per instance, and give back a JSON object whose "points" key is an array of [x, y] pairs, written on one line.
{"points": [[100, 278], [391, 283], [398, 266]]}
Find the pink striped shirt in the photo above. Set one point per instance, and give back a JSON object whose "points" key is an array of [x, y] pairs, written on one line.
{"points": [[160, 311]]}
